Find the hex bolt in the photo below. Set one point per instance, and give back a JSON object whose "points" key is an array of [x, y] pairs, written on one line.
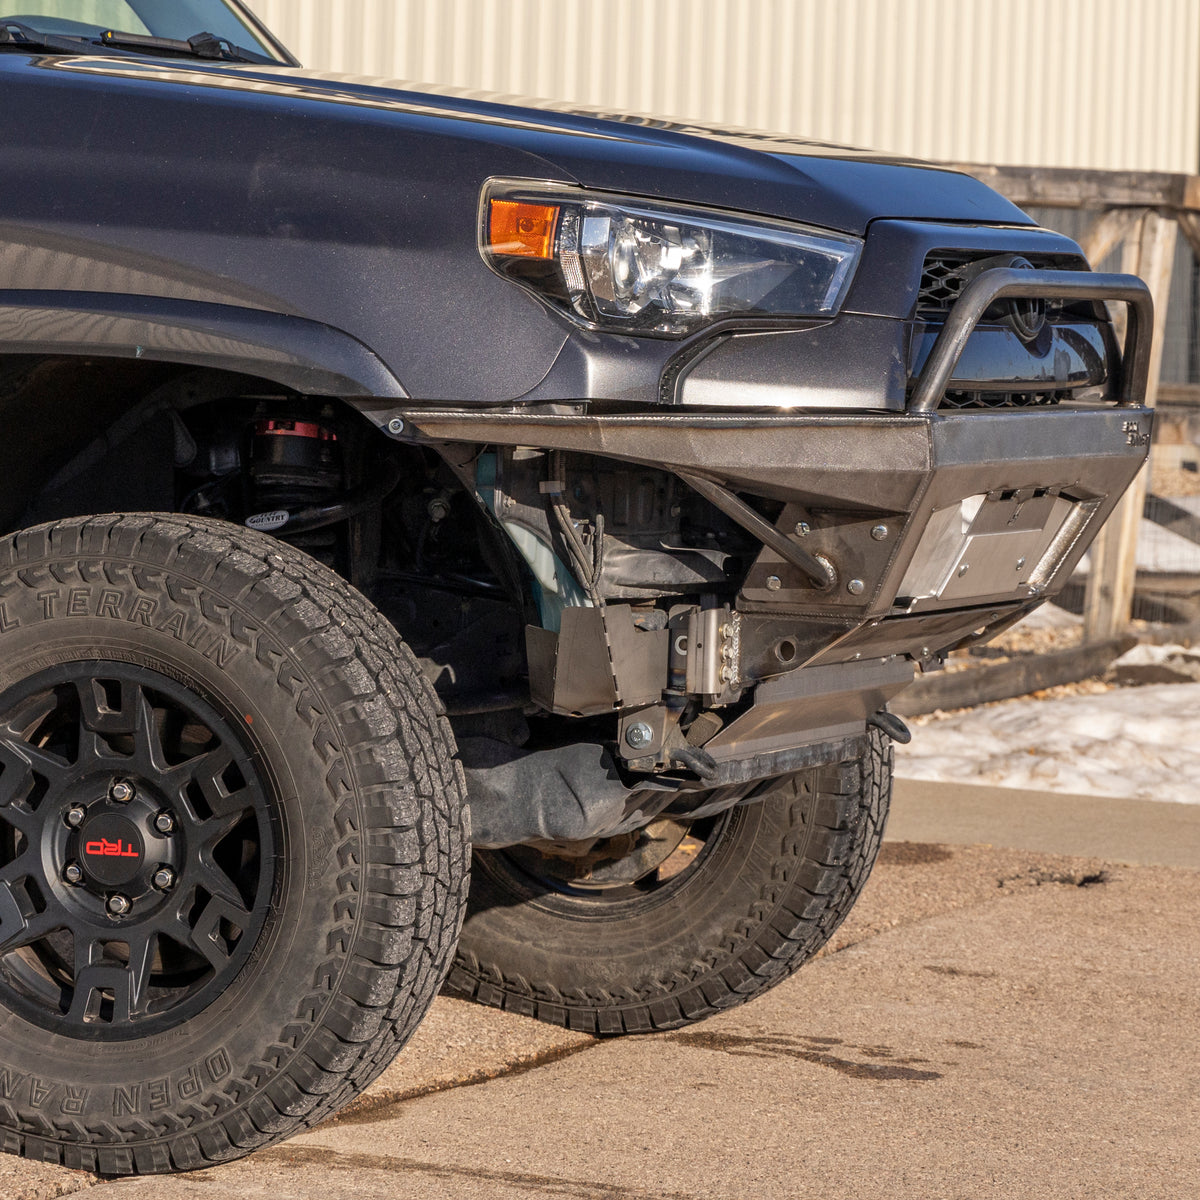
{"points": [[855, 587], [639, 734], [72, 873], [164, 822], [395, 426], [803, 529], [121, 791], [118, 905], [879, 533], [75, 815], [164, 878], [774, 583]]}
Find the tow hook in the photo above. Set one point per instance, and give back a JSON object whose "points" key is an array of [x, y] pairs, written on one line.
{"points": [[892, 726]]}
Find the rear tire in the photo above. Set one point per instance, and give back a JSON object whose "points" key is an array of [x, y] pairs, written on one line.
{"points": [[233, 854], [771, 882]]}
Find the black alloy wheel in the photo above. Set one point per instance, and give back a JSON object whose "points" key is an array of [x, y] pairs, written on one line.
{"points": [[137, 853]]}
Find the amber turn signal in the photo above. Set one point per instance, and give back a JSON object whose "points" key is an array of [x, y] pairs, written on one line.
{"points": [[522, 230]]}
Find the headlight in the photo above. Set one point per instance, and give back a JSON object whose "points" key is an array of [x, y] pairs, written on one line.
{"points": [[639, 267]]}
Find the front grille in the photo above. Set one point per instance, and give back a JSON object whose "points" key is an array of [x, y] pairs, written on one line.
{"points": [[991, 400], [945, 273]]}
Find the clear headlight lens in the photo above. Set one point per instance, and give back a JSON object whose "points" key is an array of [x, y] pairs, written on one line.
{"points": [[643, 268]]}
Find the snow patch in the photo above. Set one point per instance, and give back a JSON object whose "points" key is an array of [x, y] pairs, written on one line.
{"points": [[1138, 743]]}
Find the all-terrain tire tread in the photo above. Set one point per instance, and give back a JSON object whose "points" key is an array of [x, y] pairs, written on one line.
{"points": [[823, 865]]}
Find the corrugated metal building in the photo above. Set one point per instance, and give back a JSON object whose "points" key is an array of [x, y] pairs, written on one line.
{"points": [[1071, 83]]}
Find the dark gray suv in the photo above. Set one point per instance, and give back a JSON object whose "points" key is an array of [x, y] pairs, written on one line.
{"points": [[369, 452]]}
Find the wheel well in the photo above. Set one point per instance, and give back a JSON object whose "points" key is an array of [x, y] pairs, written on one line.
{"points": [[91, 436]]}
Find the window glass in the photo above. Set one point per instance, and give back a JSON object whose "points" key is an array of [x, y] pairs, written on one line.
{"points": [[180, 19], [95, 14]]}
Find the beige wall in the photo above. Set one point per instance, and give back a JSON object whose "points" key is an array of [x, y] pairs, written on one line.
{"points": [[1079, 83]]}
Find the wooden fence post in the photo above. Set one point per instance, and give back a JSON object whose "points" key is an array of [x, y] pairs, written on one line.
{"points": [[1150, 253]]}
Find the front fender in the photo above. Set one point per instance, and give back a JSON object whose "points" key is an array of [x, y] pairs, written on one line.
{"points": [[305, 356]]}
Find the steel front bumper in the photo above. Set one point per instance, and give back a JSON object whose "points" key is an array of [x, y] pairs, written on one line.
{"points": [[886, 538]]}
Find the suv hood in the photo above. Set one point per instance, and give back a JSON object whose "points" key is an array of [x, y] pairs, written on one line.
{"points": [[742, 170]]}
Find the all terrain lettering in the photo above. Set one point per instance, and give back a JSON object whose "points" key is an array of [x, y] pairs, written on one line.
{"points": [[157, 1093], [16, 1086], [144, 611], [127, 1101]]}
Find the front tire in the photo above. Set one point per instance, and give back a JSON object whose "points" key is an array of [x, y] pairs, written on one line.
{"points": [[769, 883], [232, 843]]}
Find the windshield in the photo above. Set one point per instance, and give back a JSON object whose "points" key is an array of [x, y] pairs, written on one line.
{"points": [[179, 19]]}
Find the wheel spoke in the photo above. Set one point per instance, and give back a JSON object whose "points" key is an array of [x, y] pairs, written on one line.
{"points": [[141, 961], [128, 984], [210, 772], [20, 761], [217, 883], [95, 712], [204, 935], [21, 817], [17, 929], [152, 759]]}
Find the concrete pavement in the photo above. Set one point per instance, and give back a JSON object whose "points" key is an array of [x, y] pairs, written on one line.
{"points": [[1133, 831], [988, 1022]]}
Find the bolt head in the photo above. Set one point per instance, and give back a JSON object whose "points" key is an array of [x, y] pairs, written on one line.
{"points": [[164, 822], [75, 815], [395, 426], [963, 569], [803, 529], [639, 734], [1020, 562], [118, 905], [164, 878], [856, 587], [72, 873], [774, 583], [121, 792]]}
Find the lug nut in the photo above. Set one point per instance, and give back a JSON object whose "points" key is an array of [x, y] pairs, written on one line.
{"points": [[72, 873], [164, 877], [118, 905], [121, 792], [75, 815], [164, 822]]}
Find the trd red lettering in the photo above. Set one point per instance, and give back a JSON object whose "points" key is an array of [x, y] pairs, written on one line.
{"points": [[106, 849]]}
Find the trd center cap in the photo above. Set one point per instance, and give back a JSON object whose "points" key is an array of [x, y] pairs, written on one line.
{"points": [[111, 849]]}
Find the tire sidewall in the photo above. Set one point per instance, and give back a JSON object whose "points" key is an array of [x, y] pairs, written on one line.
{"points": [[49, 618]]}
